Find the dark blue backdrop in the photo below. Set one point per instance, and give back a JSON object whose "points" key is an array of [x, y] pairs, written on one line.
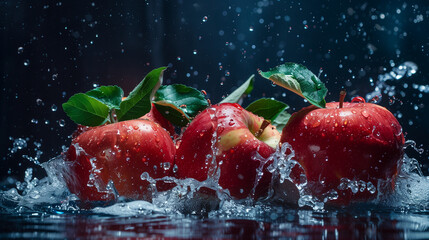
{"points": [[52, 49]]}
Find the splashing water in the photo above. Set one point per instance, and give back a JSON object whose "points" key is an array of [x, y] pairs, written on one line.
{"points": [[51, 194], [406, 69]]}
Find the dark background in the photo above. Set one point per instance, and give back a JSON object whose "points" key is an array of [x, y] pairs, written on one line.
{"points": [[53, 49]]}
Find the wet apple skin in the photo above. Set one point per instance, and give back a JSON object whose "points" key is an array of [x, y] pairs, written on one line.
{"points": [[361, 141]]}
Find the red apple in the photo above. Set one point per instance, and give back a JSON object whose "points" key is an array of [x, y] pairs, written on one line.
{"points": [[118, 153], [238, 141], [153, 115], [358, 141]]}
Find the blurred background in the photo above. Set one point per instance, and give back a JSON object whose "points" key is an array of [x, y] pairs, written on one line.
{"points": [[51, 50]]}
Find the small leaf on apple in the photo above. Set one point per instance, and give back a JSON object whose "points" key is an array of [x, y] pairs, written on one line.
{"points": [[86, 110], [267, 108], [138, 103], [241, 91], [281, 120], [179, 103], [298, 79], [109, 95]]}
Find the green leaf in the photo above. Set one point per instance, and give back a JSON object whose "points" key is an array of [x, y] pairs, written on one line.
{"points": [[267, 108], [241, 91], [281, 120], [85, 110], [138, 103], [109, 95], [298, 79], [179, 103]]}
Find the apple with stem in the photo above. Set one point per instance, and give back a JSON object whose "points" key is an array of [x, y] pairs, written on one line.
{"points": [[350, 148], [230, 144], [110, 160], [347, 147], [121, 143]]}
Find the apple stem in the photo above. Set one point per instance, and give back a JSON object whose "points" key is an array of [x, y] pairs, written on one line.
{"points": [[112, 116], [342, 96], [264, 125]]}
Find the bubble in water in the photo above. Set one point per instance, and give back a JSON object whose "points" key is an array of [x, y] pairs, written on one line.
{"points": [[205, 18], [54, 108], [35, 121], [20, 50], [26, 62], [195, 52], [251, 28], [370, 187], [54, 76]]}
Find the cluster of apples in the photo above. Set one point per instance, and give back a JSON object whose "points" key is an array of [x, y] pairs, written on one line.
{"points": [[125, 146]]}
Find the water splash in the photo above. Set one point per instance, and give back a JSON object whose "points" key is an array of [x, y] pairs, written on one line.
{"points": [[406, 69], [190, 196]]}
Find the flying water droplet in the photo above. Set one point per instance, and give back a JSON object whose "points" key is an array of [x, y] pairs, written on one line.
{"points": [[61, 122], [39, 102]]}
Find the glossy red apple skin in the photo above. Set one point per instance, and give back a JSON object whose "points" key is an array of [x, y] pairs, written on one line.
{"points": [[153, 115], [120, 153], [361, 141], [157, 117], [229, 130]]}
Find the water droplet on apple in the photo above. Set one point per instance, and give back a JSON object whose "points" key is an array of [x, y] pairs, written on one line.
{"points": [[358, 100], [175, 168], [365, 114], [166, 166], [316, 124], [144, 176]]}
